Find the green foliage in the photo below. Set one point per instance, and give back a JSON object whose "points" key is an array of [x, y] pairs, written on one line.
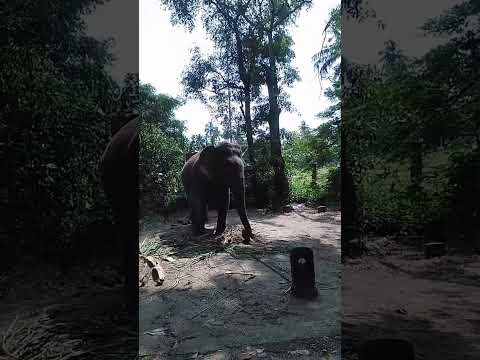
{"points": [[163, 148], [327, 58], [464, 182], [408, 110], [307, 148], [326, 186], [55, 92], [327, 65], [197, 143], [263, 169], [390, 204], [162, 160], [333, 182], [311, 158], [302, 189]]}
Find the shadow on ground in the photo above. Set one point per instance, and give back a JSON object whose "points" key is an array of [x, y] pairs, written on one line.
{"points": [[430, 343], [433, 303], [76, 317]]}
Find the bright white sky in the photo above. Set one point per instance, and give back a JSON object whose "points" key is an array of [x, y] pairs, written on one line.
{"points": [[165, 51]]}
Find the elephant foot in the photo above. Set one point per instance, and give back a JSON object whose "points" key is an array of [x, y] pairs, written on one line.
{"points": [[247, 236], [198, 232], [219, 232]]}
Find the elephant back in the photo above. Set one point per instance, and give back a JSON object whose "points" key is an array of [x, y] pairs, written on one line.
{"points": [[118, 166]]}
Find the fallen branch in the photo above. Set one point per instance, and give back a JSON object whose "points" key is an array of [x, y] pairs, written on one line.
{"points": [[276, 271], [157, 272], [169, 258], [239, 273], [250, 275]]}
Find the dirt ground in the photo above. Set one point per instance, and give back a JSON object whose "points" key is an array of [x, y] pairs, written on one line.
{"points": [[222, 299], [395, 292]]}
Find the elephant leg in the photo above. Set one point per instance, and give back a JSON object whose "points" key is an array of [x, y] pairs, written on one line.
{"points": [[130, 241], [126, 224], [223, 205], [198, 210]]}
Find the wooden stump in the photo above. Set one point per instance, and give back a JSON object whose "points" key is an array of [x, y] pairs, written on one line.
{"points": [[383, 349], [434, 249], [321, 209], [303, 273]]}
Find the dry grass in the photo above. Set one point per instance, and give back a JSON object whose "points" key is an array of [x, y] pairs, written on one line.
{"points": [[39, 338]]}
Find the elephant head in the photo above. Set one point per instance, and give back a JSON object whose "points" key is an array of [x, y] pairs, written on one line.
{"points": [[222, 164]]}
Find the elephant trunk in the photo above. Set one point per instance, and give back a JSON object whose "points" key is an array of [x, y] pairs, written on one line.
{"points": [[239, 193]]}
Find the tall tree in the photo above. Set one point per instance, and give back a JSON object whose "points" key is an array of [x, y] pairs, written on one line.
{"points": [[270, 20]]}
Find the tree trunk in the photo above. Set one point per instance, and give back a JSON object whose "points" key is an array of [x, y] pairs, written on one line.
{"points": [[416, 164], [229, 126], [348, 197], [9, 243], [247, 114], [314, 173], [251, 154], [280, 181]]}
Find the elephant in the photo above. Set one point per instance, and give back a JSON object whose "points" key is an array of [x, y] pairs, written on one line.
{"points": [[118, 170], [209, 175]]}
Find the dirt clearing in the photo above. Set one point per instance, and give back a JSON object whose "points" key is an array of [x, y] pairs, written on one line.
{"points": [[222, 299], [396, 292]]}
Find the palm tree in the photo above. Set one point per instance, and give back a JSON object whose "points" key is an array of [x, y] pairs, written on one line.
{"points": [[326, 59]]}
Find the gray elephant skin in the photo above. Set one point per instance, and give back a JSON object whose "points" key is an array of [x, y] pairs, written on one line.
{"points": [[209, 176], [118, 170]]}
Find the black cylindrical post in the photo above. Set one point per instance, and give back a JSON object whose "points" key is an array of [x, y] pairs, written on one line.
{"points": [[303, 273], [391, 349]]}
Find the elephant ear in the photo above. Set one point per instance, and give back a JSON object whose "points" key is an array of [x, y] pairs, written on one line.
{"points": [[207, 161]]}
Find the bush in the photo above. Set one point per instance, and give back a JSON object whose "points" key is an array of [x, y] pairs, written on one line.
{"points": [[464, 183], [326, 187], [302, 190], [161, 163], [332, 182]]}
